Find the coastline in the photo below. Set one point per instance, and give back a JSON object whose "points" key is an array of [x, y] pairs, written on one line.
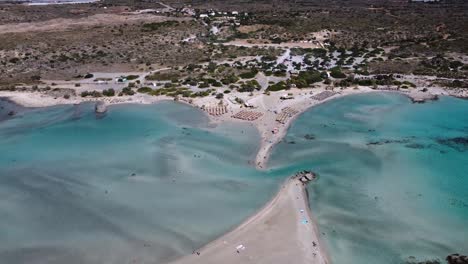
{"points": [[268, 105], [220, 250], [283, 230]]}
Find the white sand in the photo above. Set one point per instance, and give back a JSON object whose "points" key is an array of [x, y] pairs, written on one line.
{"points": [[37, 99], [282, 232]]}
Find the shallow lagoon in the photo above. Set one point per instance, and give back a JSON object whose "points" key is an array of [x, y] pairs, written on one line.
{"points": [[393, 180], [144, 183], [150, 183]]}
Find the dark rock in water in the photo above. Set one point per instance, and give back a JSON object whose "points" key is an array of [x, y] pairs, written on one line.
{"points": [[306, 176], [100, 107], [458, 203], [415, 146], [9, 109], [457, 259], [413, 260], [388, 141], [458, 143], [309, 137]]}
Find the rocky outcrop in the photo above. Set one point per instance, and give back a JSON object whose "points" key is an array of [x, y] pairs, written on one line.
{"points": [[457, 259], [305, 176], [421, 97], [100, 107]]}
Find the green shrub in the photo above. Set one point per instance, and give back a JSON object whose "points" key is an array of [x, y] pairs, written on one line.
{"points": [[249, 75], [306, 78], [92, 93], [146, 90], [249, 86], [203, 85], [337, 73], [278, 87], [410, 84], [156, 25], [162, 76], [230, 79], [127, 91], [132, 77], [108, 92]]}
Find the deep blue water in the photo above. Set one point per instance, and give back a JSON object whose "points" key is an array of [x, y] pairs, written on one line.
{"points": [[150, 183]]}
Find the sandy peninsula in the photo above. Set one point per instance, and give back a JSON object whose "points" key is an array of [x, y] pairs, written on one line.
{"points": [[281, 232]]}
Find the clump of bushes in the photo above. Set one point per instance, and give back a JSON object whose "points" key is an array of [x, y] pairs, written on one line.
{"points": [[91, 93], [230, 79], [162, 76], [108, 92], [278, 87], [249, 75], [337, 73], [306, 78], [145, 90], [127, 91], [132, 77], [156, 25], [249, 86]]}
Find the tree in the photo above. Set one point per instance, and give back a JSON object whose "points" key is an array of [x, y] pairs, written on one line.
{"points": [[337, 73], [108, 92]]}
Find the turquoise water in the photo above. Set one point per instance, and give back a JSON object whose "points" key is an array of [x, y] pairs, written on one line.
{"points": [[393, 185], [151, 183], [143, 183]]}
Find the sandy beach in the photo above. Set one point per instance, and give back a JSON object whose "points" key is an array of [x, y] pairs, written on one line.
{"points": [[281, 232], [269, 106]]}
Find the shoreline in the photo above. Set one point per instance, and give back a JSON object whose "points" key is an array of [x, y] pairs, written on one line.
{"points": [[269, 107], [287, 213], [219, 250], [267, 145]]}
